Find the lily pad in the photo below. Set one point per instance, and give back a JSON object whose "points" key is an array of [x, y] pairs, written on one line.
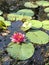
{"points": [[30, 5], [1, 12], [25, 12], [35, 24], [7, 23], [27, 50], [45, 24], [2, 25], [26, 26], [20, 52], [46, 9], [1, 18], [37, 37], [11, 17], [42, 3], [48, 15]]}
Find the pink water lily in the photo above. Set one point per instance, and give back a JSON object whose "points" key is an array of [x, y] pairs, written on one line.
{"points": [[18, 37]]}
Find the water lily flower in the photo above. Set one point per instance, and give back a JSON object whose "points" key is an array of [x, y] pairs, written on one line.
{"points": [[18, 37]]}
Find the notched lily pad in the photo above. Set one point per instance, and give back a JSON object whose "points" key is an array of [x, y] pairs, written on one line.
{"points": [[20, 52], [37, 37], [25, 12]]}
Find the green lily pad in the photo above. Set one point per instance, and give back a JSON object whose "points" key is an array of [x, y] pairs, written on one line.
{"points": [[26, 26], [35, 24], [45, 24], [42, 3], [13, 50], [27, 50], [2, 25], [48, 15], [1, 18], [25, 12], [1, 12], [20, 52], [11, 17], [15, 17], [7, 23], [30, 5], [46, 9], [37, 37]]}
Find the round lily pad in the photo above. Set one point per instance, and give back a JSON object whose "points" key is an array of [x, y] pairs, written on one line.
{"points": [[37, 37], [45, 24], [1, 12], [20, 52], [35, 24], [42, 3], [30, 5], [27, 50], [46, 9], [25, 12], [1, 18]]}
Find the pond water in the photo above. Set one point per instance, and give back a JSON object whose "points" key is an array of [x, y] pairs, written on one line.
{"points": [[41, 55]]}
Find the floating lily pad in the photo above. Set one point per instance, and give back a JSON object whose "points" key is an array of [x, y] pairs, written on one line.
{"points": [[16, 17], [25, 12], [2, 25], [11, 17], [46, 9], [30, 5], [26, 26], [48, 15], [1, 18], [7, 23], [45, 24], [37, 37], [20, 52], [35, 24], [27, 50], [1, 12], [42, 3]]}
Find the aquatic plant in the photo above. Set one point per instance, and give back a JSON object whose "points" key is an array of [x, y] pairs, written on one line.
{"points": [[25, 12], [18, 38], [37, 37], [45, 24], [16, 17], [42, 3], [3, 23], [30, 5], [46, 10], [1, 12]]}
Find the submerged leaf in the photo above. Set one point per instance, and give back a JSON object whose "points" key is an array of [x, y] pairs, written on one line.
{"points": [[37, 37]]}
